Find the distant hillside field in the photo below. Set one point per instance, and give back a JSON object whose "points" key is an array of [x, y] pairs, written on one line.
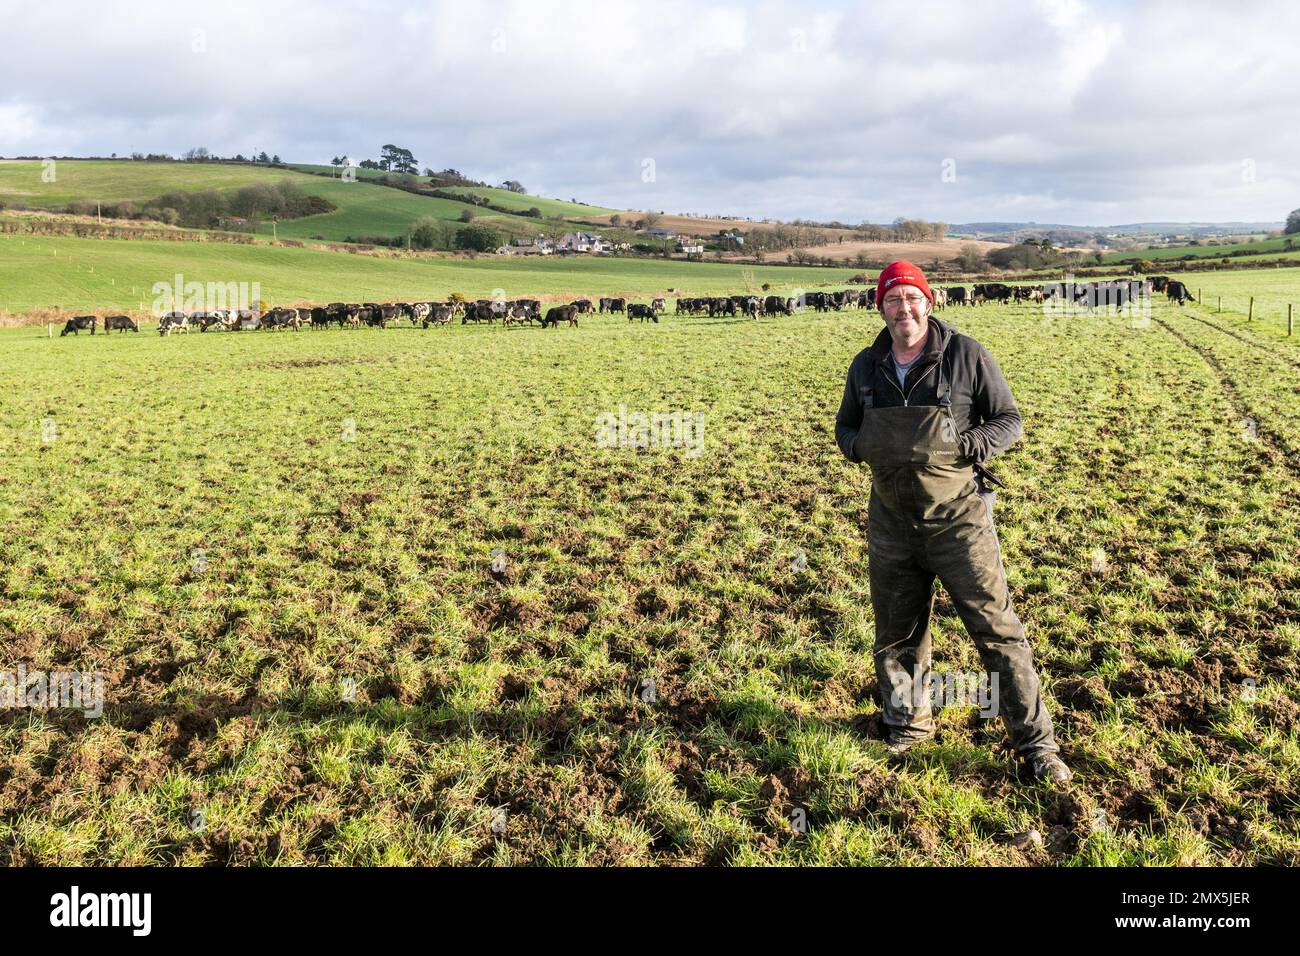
{"points": [[550, 208], [364, 210], [40, 273], [1274, 248]]}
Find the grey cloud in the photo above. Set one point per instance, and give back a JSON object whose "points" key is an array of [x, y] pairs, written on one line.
{"points": [[1055, 110]]}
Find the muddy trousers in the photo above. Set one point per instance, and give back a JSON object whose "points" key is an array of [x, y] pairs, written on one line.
{"points": [[959, 546]]}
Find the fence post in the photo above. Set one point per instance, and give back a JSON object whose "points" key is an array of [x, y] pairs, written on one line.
{"points": [[1220, 303], [1250, 316], [1289, 306]]}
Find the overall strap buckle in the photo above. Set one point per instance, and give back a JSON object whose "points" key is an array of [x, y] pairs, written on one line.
{"points": [[943, 390]]}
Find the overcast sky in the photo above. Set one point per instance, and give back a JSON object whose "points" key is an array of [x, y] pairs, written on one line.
{"points": [[1070, 111]]}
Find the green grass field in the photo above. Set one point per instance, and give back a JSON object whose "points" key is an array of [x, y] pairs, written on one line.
{"points": [[1270, 248], [364, 209], [550, 208], [380, 597], [41, 273]]}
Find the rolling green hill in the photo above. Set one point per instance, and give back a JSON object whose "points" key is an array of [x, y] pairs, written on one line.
{"points": [[550, 208], [364, 210], [1274, 248]]}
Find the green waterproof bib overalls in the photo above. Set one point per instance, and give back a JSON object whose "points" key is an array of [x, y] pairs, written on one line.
{"points": [[927, 518]]}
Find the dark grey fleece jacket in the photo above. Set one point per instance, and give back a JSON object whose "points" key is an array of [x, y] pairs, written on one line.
{"points": [[985, 413]]}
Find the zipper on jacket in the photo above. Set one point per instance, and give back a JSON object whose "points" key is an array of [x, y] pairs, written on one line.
{"points": [[893, 380]]}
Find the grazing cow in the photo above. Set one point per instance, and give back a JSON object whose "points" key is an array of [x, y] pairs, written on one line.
{"points": [[957, 295], [417, 312], [246, 320], [439, 314], [344, 313], [753, 306], [78, 323], [657, 305], [122, 323], [320, 317], [642, 312], [583, 306], [992, 290], [479, 312], [1158, 283], [1176, 291], [518, 314], [774, 304], [174, 322], [280, 319], [207, 320], [618, 305], [940, 298], [560, 313], [606, 304]]}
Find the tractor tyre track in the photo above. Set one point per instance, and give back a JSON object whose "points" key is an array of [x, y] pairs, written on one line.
{"points": [[1281, 448]]}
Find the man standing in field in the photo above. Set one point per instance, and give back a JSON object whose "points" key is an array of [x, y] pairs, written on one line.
{"points": [[925, 406]]}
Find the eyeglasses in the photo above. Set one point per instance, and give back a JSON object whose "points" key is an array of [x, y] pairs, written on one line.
{"points": [[894, 301]]}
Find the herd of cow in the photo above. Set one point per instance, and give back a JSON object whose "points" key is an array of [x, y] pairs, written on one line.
{"points": [[528, 311]]}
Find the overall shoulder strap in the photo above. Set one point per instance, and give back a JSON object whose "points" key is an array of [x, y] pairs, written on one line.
{"points": [[943, 390], [869, 373]]}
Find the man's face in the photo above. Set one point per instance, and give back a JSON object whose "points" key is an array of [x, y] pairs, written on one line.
{"points": [[906, 311]]}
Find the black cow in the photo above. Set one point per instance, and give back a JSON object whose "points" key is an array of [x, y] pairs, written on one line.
{"points": [[561, 313], [774, 304], [78, 323], [992, 290], [583, 306], [957, 295], [1158, 283], [1177, 291], [122, 323], [479, 312], [642, 312]]}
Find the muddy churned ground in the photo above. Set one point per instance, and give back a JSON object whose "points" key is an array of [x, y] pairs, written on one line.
{"points": [[383, 597]]}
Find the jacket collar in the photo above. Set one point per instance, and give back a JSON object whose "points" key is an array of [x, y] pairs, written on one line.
{"points": [[937, 337]]}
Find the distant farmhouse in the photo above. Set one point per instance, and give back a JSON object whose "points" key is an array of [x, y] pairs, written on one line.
{"points": [[541, 246], [581, 242]]}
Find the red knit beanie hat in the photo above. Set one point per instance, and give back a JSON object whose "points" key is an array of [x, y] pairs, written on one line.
{"points": [[901, 272]]}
